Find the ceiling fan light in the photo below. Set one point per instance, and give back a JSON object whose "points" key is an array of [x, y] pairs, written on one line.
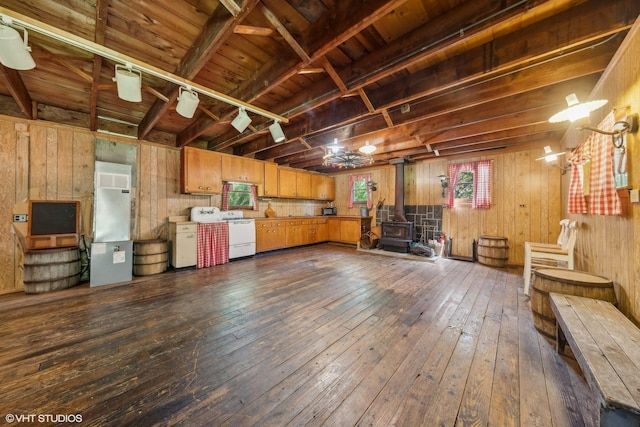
{"points": [[576, 110], [276, 132], [187, 102], [242, 120], [367, 149], [14, 52], [129, 83]]}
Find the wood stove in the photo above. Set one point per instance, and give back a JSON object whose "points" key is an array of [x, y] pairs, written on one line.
{"points": [[397, 236]]}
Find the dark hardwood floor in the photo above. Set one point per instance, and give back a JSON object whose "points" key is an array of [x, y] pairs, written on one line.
{"points": [[322, 335]]}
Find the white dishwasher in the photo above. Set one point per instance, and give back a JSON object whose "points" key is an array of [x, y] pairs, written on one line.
{"points": [[184, 243]]}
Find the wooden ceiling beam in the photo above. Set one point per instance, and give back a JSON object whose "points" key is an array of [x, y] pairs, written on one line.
{"points": [[282, 30], [215, 32], [17, 89]]}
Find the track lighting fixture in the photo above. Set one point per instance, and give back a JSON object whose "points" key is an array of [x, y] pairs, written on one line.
{"points": [[187, 102], [14, 51], [129, 83], [276, 131], [241, 121]]}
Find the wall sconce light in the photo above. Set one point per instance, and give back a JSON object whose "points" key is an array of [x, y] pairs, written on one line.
{"points": [[14, 52], [241, 121], [550, 157], [444, 182], [187, 102], [129, 83], [276, 131], [580, 110], [367, 149]]}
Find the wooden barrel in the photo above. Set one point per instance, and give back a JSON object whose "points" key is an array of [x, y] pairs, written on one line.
{"points": [[570, 282], [493, 251], [149, 257], [51, 269]]}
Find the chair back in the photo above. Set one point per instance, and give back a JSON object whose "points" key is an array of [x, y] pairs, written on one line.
{"points": [[571, 235], [564, 228]]}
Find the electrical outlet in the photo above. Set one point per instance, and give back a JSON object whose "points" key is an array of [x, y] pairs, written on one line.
{"points": [[20, 218]]}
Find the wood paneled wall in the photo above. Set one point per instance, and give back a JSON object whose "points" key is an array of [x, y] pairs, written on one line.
{"points": [[43, 161], [610, 245], [526, 199]]}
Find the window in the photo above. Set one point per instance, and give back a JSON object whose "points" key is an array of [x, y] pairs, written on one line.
{"points": [[360, 190], [239, 196], [464, 188], [470, 182], [360, 193]]}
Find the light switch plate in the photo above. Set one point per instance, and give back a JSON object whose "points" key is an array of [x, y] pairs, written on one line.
{"points": [[634, 195]]}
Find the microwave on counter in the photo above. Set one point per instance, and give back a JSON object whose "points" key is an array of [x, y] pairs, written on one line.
{"points": [[329, 211]]}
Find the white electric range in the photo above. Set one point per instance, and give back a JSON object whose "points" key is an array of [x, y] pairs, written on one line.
{"points": [[242, 231]]}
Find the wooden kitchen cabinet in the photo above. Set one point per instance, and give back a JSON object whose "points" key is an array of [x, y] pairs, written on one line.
{"points": [[270, 184], [323, 187], [303, 185], [348, 229], [200, 171], [318, 230], [287, 187], [297, 232], [333, 229], [270, 235], [242, 169]]}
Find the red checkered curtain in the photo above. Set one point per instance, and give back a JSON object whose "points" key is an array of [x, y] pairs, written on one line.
{"points": [[577, 202], [254, 196], [213, 244], [603, 198], [454, 174], [481, 185], [226, 188]]}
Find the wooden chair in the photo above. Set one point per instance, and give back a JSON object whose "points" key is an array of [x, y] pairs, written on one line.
{"points": [[559, 254]]}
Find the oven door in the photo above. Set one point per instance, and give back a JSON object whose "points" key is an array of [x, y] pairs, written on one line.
{"points": [[242, 238]]}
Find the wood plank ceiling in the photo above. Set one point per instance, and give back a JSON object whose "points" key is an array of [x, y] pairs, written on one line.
{"points": [[416, 78]]}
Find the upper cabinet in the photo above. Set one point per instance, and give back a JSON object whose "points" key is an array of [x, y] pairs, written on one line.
{"points": [[242, 169], [270, 187], [204, 171], [323, 187], [200, 171], [287, 186]]}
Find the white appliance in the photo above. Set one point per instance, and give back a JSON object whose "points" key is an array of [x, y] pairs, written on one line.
{"points": [[242, 231], [112, 249], [184, 243]]}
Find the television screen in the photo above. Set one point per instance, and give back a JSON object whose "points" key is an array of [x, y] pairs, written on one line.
{"points": [[53, 217]]}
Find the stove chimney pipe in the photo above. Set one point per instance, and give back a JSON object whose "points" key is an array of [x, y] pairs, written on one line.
{"points": [[398, 211]]}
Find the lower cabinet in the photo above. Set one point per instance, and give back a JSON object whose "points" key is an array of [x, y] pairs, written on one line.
{"points": [[272, 234]]}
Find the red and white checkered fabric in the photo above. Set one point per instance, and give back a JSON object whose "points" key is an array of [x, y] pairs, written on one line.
{"points": [[603, 198], [213, 244]]}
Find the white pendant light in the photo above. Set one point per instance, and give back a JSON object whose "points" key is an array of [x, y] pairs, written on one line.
{"points": [[14, 52], [576, 110], [367, 149], [241, 121], [129, 83], [187, 102], [276, 132]]}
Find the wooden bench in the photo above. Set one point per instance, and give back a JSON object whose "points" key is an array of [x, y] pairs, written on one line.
{"points": [[606, 345]]}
